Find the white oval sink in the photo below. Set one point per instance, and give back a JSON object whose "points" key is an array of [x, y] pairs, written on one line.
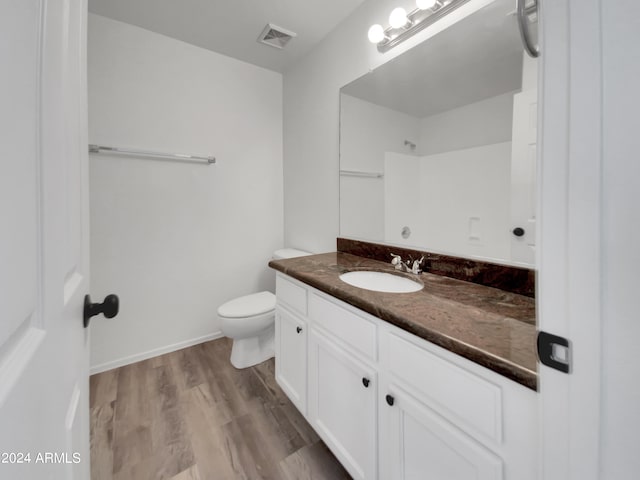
{"points": [[380, 282]]}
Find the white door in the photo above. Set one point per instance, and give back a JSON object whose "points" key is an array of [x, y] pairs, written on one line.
{"points": [[523, 176], [569, 238], [44, 428]]}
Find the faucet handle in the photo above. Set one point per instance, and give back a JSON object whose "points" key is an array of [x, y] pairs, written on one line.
{"points": [[396, 260], [416, 265]]}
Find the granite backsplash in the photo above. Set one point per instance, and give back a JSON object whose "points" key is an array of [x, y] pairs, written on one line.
{"points": [[509, 278]]}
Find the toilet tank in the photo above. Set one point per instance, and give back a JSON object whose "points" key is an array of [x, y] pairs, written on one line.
{"points": [[289, 253]]}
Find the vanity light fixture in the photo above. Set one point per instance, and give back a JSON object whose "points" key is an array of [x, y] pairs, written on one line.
{"points": [[376, 33], [403, 25], [425, 4], [398, 18]]}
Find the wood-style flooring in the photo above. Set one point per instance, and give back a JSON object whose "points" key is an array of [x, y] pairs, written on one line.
{"points": [[189, 415]]}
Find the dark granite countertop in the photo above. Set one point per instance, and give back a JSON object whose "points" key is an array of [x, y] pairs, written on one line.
{"points": [[491, 327]]}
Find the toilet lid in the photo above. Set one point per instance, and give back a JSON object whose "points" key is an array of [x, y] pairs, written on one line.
{"points": [[289, 253], [248, 306]]}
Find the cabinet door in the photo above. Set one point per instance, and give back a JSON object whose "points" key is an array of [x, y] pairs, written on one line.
{"points": [[291, 357], [418, 444], [342, 405]]}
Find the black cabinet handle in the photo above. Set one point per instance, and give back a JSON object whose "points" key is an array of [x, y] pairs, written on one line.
{"points": [[298, 329], [518, 231], [390, 400], [365, 382], [109, 308]]}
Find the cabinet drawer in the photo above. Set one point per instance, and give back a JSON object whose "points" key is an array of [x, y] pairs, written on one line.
{"points": [[469, 401], [291, 295], [352, 329]]}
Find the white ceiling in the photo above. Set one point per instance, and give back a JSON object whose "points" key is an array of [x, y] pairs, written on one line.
{"points": [[477, 58], [231, 27]]}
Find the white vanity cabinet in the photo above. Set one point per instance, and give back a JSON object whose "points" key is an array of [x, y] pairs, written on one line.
{"points": [[444, 417], [392, 406]]}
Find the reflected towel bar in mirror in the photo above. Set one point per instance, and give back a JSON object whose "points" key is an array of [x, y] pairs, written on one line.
{"points": [[146, 153], [354, 173]]}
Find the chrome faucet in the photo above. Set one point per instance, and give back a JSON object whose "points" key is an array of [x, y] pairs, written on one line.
{"points": [[416, 266], [399, 264]]}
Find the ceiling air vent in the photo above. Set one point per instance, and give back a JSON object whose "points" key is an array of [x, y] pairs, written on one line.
{"points": [[275, 36]]}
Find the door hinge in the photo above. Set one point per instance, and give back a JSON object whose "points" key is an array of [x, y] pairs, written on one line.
{"points": [[554, 351]]}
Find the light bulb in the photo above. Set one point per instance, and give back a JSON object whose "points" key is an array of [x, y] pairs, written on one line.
{"points": [[426, 4], [376, 33], [398, 18]]}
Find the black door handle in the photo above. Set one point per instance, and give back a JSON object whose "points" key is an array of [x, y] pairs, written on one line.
{"points": [[365, 382], [390, 400], [298, 329], [518, 231], [547, 353], [109, 308]]}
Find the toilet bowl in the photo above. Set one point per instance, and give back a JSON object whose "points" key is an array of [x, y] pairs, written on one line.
{"points": [[250, 322]]}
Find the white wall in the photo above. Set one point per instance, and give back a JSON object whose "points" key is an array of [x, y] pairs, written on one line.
{"points": [[362, 208], [529, 72], [176, 240], [311, 118], [367, 131], [402, 200], [470, 220], [485, 122]]}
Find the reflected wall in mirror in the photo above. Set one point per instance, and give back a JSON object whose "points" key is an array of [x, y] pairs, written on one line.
{"points": [[438, 146]]}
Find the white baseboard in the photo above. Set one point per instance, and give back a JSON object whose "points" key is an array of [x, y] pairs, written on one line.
{"points": [[103, 367]]}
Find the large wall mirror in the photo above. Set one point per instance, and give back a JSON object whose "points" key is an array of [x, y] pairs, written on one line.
{"points": [[437, 147]]}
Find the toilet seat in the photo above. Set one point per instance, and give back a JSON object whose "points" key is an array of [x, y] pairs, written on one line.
{"points": [[248, 306]]}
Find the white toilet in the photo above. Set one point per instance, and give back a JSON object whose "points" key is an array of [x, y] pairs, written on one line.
{"points": [[250, 322]]}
